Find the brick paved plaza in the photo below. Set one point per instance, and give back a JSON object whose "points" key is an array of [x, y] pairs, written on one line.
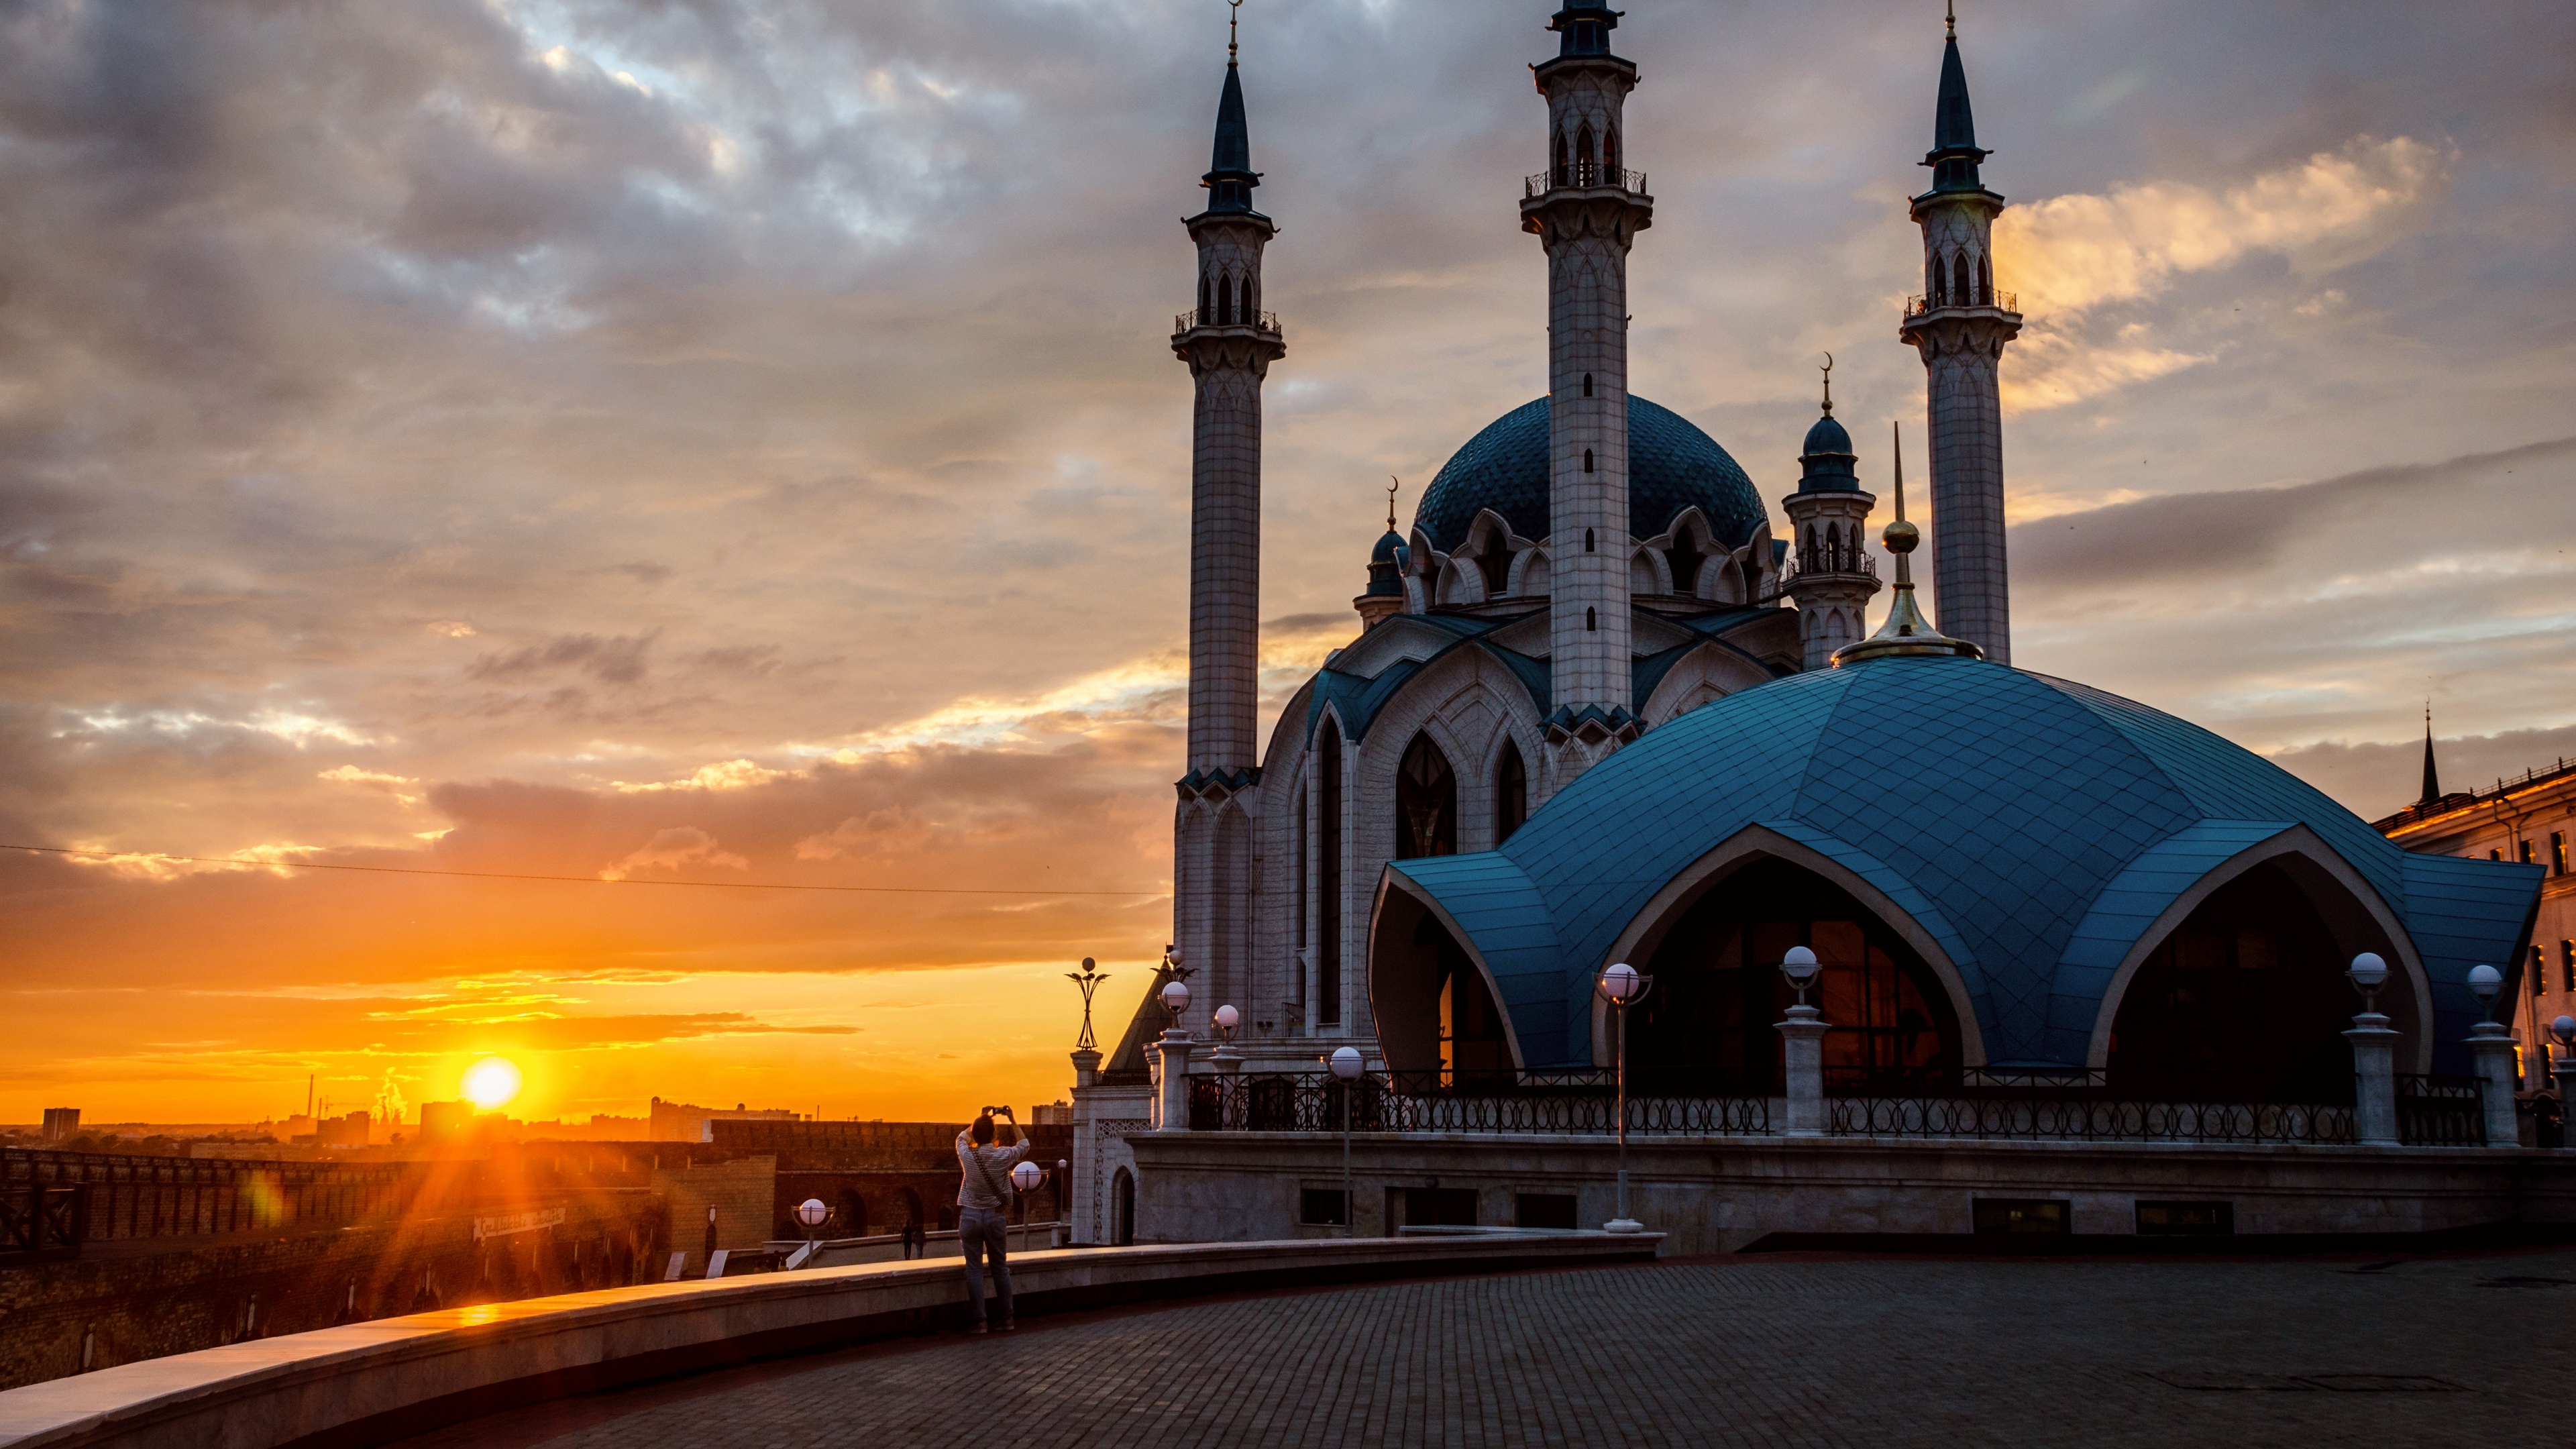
{"points": [[1754, 1351]]}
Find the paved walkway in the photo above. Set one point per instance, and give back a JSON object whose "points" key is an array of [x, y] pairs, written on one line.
{"points": [[1739, 1351]]}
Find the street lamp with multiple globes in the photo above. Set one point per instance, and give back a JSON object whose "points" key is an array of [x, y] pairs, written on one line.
{"points": [[1622, 986], [1345, 1063]]}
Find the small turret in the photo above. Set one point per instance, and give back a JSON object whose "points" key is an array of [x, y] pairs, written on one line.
{"points": [[1385, 593], [1831, 575]]}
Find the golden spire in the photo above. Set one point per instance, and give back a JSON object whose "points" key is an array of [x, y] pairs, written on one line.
{"points": [[1392, 483], [1829, 384], [1906, 631], [1234, 12]]}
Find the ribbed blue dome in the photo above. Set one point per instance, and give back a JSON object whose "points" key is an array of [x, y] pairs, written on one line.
{"points": [[1671, 466], [1827, 436], [1387, 545], [2033, 827]]}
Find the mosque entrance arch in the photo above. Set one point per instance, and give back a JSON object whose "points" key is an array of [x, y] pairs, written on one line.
{"points": [[1434, 1001], [2245, 1001], [1709, 1024]]}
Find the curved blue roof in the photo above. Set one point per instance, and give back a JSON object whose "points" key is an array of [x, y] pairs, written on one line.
{"points": [[1671, 466], [2034, 827]]}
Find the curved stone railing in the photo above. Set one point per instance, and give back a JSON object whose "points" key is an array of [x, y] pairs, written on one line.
{"points": [[370, 1382]]}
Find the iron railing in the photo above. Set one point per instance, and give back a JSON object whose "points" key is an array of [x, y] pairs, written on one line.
{"points": [[2038, 1116], [1555, 1103], [1586, 175], [1204, 317], [2442, 1112], [1957, 1081], [161, 1197], [2002, 301], [37, 1219], [1844, 563]]}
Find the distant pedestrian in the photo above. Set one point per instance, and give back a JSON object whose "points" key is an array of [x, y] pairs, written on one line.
{"points": [[983, 1201], [916, 1239]]}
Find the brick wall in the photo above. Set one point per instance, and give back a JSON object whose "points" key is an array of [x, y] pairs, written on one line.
{"points": [[743, 1194]]}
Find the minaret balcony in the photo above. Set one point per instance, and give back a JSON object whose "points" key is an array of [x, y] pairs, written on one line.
{"points": [[1585, 177], [1258, 322], [1820, 566], [1997, 301]]}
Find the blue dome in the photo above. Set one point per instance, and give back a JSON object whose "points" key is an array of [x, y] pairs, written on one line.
{"points": [[1671, 466], [1825, 463], [1827, 436], [1389, 545], [2032, 828]]}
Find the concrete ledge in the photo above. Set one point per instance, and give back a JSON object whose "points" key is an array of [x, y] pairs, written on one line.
{"points": [[369, 1382]]}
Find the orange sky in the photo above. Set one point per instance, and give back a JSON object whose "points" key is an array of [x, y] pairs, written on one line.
{"points": [[725, 443]]}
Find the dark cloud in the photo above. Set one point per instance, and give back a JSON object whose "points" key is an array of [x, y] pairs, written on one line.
{"points": [[616, 660]]}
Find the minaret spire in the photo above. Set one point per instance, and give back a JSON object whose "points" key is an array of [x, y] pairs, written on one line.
{"points": [[1960, 325], [2432, 780], [1906, 630], [1587, 209], [1229, 343]]}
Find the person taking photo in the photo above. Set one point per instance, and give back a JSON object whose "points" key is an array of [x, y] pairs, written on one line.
{"points": [[983, 1202]]}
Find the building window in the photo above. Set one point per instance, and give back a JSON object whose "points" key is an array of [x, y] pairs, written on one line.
{"points": [[1511, 793], [2495, 855], [1323, 1207], [1591, 622], [2522, 851], [1587, 535], [1587, 460], [2567, 965], [1587, 384], [2539, 977], [1328, 876], [2558, 852], [1426, 802]]}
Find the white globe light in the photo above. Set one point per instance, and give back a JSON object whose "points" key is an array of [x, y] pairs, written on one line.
{"points": [[811, 1212], [1176, 996], [2485, 982], [1619, 981], [1026, 1176], [2564, 1028], [1798, 964], [2368, 971], [1346, 1062], [1227, 1018]]}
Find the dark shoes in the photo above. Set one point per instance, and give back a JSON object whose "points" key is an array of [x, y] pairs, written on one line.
{"points": [[975, 1327], [1010, 1325]]}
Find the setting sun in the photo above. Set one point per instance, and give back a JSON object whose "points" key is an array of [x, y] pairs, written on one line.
{"points": [[491, 1082]]}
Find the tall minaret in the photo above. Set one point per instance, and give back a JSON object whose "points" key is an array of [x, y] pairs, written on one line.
{"points": [[1229, 343], [1832, 576], [1587, 210], [1960, 324]]}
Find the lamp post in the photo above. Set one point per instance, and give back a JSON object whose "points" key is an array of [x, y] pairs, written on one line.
{"points": [[1345, 1063], [2491, 1053], [1802, 1049], [2564, 1029], [811, 1213], [1622, 986], [1174, 1049], [1086, 1048], [1026, 1178], [1063, 1175], [2374, 1057], [1229, 1067]]}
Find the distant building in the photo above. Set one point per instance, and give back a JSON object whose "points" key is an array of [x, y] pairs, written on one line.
{"points": [[2532, 821], [1058, 1115], [62, 1123], [349, 1131], [446, 1121], [687, 1122]]}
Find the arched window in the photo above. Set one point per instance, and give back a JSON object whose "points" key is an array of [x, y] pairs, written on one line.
{"points": [[1685, 559], [1587, 460], [1204, 298], [1495, 563], [1250, 317], [2237, 1005], [1833, 548], [1328, 875], [1587, 384], [1563, 172], [1426, 802], [1122, 1209], [1591, 622], [1610, 156], [1587, 540], [1966, 297], [1225, 301], [854, 1215], [1940, 287], [1583, 163], [1986, 278], [1511, 793]]}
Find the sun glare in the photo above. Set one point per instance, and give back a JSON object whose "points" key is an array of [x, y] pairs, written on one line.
{"points": [[491, 1082]]}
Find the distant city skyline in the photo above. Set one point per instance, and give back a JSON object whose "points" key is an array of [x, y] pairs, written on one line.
{"points": [[740, 444]]}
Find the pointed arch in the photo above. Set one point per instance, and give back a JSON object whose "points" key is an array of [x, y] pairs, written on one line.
{"points": [[1965, 297], [1327, 994], [1986, 278], [1206, 297], [1225, 299], [1426, 801], [1610, 156], [1563, 170], [1251, 318], [1583, 155]]}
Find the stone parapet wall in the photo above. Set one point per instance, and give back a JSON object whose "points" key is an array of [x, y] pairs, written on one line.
{"points": [[1715, 1195]]}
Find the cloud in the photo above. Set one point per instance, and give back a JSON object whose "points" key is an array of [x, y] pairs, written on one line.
{"points": [[672, 847], [2070, 256], [617, 660]]}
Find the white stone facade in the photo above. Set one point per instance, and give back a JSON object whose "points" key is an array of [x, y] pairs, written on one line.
{"points": [[1960, 329]]}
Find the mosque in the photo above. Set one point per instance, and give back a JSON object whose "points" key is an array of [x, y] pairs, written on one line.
{"points": [[1596, 712]]}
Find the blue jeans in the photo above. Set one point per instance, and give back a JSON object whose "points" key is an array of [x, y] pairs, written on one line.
{"points": [[979, 1229]]}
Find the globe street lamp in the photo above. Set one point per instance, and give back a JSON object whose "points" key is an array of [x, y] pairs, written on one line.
{"points": [[1176, 999], [811, 1213], [2368, 973], [2485, 982], [1623, 987], [1345, 1062], [1026, 1178], [1227, 1019]]}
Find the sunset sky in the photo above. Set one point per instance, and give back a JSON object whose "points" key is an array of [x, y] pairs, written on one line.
{"points": [[738, 442]]}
